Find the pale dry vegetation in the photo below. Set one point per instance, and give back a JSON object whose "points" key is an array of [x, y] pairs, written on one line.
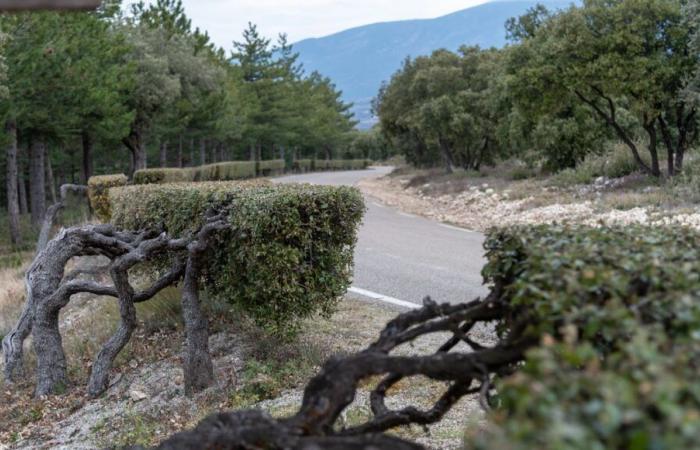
{"points": [[11, 297]]}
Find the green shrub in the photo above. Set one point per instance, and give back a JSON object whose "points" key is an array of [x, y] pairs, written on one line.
{"points": [[302, 165], [271, 167], [98, 193], [289, 251], [226, 171], [616, 162], [617, 313], [163, 175], [321, 164]]}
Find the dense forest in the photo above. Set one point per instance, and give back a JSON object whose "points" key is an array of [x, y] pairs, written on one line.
{"points": [[119, 90], [569, 83]]}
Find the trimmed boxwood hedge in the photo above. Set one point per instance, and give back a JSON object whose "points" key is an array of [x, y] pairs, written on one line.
{"points": [[287, 255], [241, 170], [617, 311], [98, 193], [226, 171], [271, 167], [302, 165], [163, 175]]}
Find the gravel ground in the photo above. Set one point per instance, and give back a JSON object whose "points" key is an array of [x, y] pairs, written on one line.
{"points": [[482, 207]]}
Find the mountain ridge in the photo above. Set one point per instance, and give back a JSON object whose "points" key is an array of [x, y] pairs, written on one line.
{"points": [[359, 59]]}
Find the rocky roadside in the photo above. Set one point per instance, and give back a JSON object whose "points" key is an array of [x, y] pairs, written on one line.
{"points": [[482, 206], [146, 403]]}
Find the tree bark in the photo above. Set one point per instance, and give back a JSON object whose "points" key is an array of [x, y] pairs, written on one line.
{"points": [[446, 156], [164, 154], [650, 128], [37, 181], [87, 163], [12, 184], [23, 202], [179, 153], [136, 143], [202, 151], [252, 152], [51, 183], [197, 364], [220, 148], [192, 160]]}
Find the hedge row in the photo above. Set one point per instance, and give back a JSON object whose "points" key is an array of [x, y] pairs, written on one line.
{"points": [[98, 193], [287, 255], [618, 313], [238, 170]]}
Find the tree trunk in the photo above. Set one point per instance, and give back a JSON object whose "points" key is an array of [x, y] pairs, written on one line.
{"points": [[87, 165], [446, 156], [192, 151], [23, 202], [653, 153], [164, 154], [220, 148], [49, 175], [12, 184], [252, 152], [179, 153], [202, 151], [37, 181], [99, 376], [213, 155], [140, 158]]}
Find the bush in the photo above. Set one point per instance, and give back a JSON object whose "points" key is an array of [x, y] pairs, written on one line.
{"points": [[98, 193], [271, 167], [617, 314], [226, 171], [617, 162], [289, 251], [163, 175]]}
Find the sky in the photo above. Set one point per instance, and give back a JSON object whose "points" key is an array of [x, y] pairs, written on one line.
{"points": [[300, 19]]}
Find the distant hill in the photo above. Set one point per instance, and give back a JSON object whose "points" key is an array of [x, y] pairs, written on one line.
{"points": [[359, 59]]}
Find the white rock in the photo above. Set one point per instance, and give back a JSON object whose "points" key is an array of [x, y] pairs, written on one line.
{"points": [[137, 395]]}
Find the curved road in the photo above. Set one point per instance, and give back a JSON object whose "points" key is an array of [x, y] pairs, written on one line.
{"points": [[402, 258]]}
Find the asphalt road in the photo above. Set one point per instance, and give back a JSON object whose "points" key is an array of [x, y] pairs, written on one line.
{"points": [[403, 258]]}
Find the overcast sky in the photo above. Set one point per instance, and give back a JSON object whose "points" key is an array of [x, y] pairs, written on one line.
{"points": [[300, 19]]}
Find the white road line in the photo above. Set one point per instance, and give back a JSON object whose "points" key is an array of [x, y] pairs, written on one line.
{"points": [[378, 205], [466, 230], [406, 214], [383, 298]]}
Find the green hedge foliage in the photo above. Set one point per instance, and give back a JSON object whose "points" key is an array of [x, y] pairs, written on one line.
{"points": [[226, 171], [287, 255], [241, 170], [271, 167], [163, 175], [98, 193], [618, 313], [302, 165]]}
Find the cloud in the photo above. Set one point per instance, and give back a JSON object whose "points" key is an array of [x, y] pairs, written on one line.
{"points": [[300, 19]]}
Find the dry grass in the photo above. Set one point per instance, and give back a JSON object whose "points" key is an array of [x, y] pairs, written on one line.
{"points": [[11, 298]]}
